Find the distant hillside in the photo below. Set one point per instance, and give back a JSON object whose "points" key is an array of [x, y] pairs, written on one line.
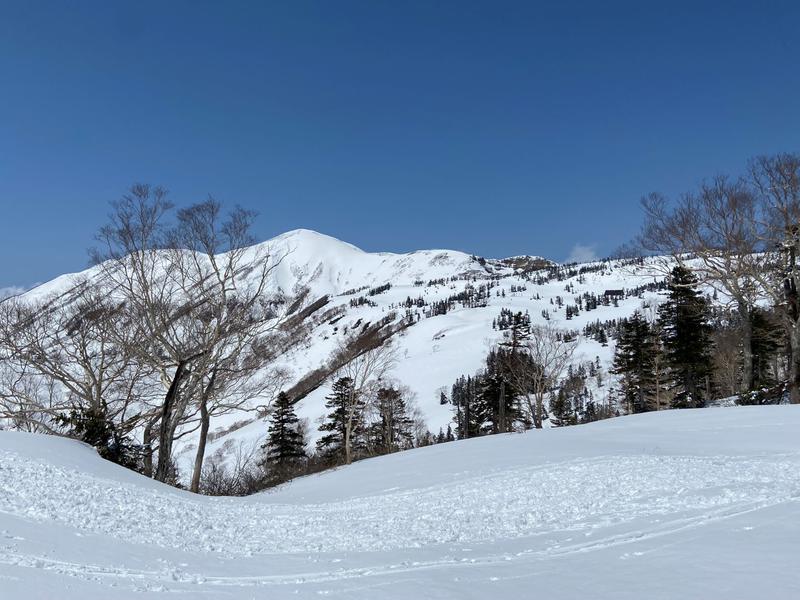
{"points": [[438, 308]]}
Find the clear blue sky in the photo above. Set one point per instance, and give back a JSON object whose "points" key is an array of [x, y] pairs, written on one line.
{"points": [[498, 128]]}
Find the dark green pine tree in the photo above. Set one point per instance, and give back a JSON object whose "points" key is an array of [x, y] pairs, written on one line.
{"points": [[491, 395], [562, 411], [285, 444], [567, 404], [331, 447], [687, 342], [498, 399], [395, 427], [633, 361], [467, 411], [519, 332], [93, 427], [589, 413], [765, 345]]}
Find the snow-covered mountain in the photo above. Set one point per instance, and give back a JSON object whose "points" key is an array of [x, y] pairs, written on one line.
{"points": [[327, 265], [677, 504], [436, 348], [695, 503]]}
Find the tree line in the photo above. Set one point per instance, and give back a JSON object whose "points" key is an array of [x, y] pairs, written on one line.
{"points": [[740, 237], [368, 415]]}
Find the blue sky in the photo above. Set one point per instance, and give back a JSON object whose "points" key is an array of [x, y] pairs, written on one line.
{"points": [[498, 128]]}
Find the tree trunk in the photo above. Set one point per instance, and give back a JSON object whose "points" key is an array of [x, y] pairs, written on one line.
{"points": [[748, 378], [501, 418], [658, 385], [531, 411], [167, 429], [794, 363], [347, 430], [205, 423], [147, 442]]}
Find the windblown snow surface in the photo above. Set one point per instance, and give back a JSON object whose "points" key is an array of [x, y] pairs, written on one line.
{"points": [[683, 504]]}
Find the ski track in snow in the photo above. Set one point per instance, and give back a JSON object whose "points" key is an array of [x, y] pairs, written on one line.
{"points": [[173, 574], [517, 502], [695, 504]]}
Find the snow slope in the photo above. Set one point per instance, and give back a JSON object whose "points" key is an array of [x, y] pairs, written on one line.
{"points": [[434, 351], [691, 504]]}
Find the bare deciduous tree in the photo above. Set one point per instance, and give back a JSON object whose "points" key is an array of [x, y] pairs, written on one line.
{"points": [[776, 180], [197, 294], [238, 323], [61, 354], [366, 369], [726, 360], [538, 365], [717, 227], [745, 237]]}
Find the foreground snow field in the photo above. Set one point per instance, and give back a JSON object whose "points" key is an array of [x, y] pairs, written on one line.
{"points": [[690, 504]]}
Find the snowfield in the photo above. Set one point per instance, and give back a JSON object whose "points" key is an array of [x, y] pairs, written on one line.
{"points": [[690, 504]]}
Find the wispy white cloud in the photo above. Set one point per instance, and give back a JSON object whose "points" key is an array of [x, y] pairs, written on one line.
{"points": [[582, 253], [13, 290]]}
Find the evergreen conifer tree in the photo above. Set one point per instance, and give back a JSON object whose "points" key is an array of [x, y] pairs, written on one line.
{"points": [[331, 446], [467, 412], [440, 437], [568, 403], [498, 399], [633, 361], [285, 444], [395, 427], [520, 331], [766, 341], [94, 428], [687, 343]]}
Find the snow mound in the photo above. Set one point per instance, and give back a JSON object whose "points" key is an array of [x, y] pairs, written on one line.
{"points": [[700, 503]]}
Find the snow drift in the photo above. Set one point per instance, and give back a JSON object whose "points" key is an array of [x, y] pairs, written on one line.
{"points": [[692, 504]]}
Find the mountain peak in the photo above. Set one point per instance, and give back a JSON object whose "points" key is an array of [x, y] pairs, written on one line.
{"points": [[309, 237]]}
